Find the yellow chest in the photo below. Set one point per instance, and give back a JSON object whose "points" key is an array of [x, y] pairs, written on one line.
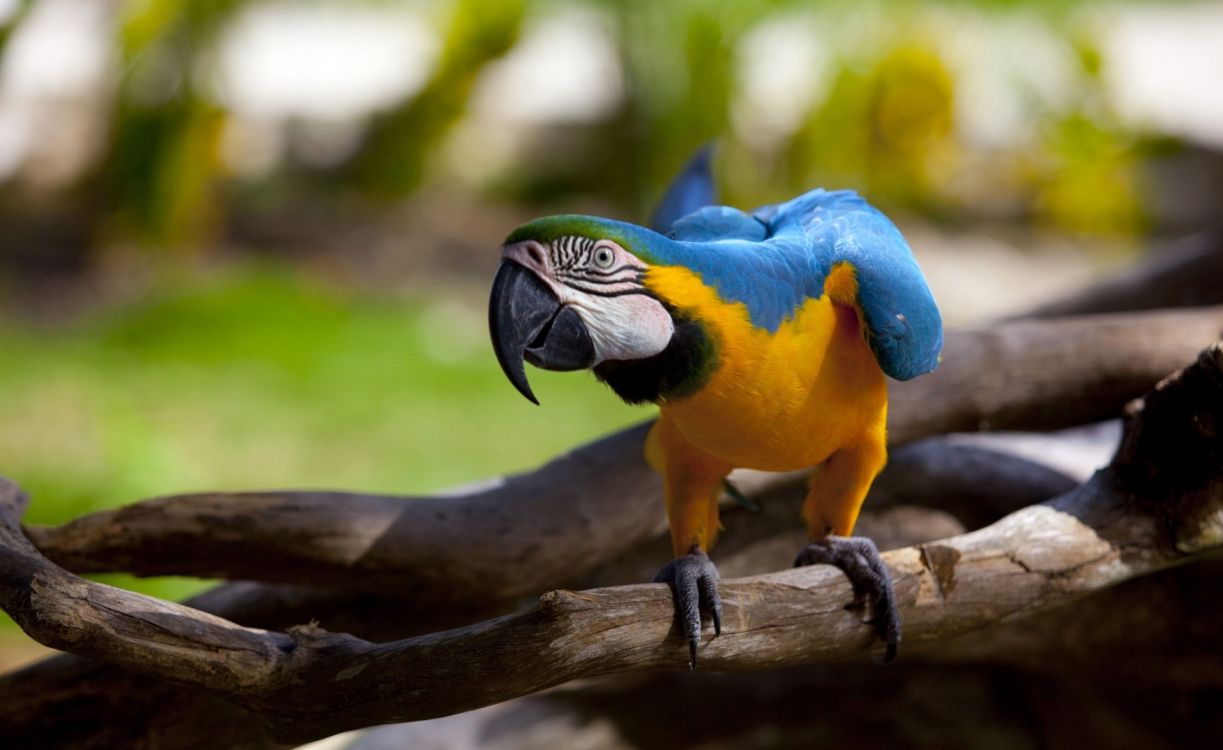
{"points": [[782, 400]]}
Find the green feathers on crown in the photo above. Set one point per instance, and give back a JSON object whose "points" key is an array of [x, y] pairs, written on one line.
{"points": [[637, 240]]}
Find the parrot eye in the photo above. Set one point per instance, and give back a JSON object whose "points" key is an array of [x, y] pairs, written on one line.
{"points": [[604, 257]]}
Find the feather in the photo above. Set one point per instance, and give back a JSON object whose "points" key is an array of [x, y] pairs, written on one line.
{"points": [[692, 188], [780, 256]]}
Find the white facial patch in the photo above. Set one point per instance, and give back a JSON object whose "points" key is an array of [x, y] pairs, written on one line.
{"points": [[603, 283]]}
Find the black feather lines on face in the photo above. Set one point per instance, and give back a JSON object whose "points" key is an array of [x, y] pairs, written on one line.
{"points": [[568, 252], [678, 370], [571, 261]]}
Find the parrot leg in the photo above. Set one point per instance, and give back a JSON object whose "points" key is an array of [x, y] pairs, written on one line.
{"points": [[838, 489], [694, 580], [692, 481], [858, 557]]}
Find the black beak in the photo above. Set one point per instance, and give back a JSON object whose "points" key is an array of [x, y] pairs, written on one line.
{"points": [[528, 322]]}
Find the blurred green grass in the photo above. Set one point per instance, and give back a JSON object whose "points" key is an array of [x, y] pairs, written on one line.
{"points": [[262, 377]]}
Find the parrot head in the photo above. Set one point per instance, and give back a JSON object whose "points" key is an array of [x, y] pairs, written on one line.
{"points": [[570, 295]]}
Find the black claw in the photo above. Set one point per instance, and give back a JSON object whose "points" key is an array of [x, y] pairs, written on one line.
{"points": [[890, 652], [694, 583], [872, 582], [707, 585]]}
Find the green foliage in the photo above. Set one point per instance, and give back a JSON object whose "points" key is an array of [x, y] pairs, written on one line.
{"points": [[259, 378], [1087, 166], [158, 178], [678, 58], [885, 120], [1088, 181], [393, 159], [883, 129], [9, 25], [245, 379]]}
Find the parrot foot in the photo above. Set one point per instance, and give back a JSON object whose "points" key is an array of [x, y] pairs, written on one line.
{"points": [[694, 583], [859, 559]]}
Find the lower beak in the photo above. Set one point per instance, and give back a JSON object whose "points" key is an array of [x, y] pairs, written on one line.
{"points": [[527, 321]]}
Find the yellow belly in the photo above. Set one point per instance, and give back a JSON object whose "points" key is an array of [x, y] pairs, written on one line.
{"points": [[777, 401]]}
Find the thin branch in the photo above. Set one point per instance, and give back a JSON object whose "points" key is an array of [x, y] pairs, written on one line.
{"points": [[507, 537], [309, 683], [1048, 374], [521, 534], [1186, 273]]}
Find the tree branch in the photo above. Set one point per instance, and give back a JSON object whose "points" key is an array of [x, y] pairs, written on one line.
{"points": [[74, 701], [518, 535], [1048, 374], [1159, 502], [1186, 273], [1109, 671]]}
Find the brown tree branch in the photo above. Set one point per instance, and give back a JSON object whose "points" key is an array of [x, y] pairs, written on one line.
{"points": [[71, 700], [519, 535], [1186, 273], [506, 537], [1124, 668], [1048, 374], [1160, 501]]}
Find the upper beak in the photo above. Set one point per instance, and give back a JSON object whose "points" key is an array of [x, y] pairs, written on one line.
{"points": [[527, 321]]}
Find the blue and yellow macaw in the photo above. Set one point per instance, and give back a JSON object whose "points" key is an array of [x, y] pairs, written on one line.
{"points": [[765, 339]]}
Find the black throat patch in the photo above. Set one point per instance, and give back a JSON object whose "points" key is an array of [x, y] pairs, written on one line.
{"points": [[677, 371]]}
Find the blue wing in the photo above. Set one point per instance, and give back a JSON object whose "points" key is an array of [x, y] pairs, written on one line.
{"points": [[904, 327], [777, 257], [718, 223], [692, 188]]}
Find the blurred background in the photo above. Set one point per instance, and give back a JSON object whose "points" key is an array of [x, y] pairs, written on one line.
{"points": [[247, 243]]}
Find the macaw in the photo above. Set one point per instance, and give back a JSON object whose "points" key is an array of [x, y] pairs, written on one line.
{"points": [[766, 340]]}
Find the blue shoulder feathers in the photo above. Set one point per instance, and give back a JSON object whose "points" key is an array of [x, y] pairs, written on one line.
{"points": [[777, 257]]}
